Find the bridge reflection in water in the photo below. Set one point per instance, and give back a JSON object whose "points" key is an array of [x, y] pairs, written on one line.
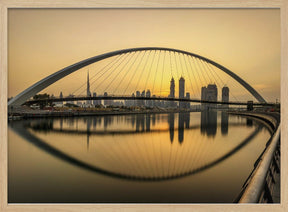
{"points": [[101, 131], [143, 148]]}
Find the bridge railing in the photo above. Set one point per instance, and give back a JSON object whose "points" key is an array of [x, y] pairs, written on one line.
{"points": [[123, 97], [259, 186]]}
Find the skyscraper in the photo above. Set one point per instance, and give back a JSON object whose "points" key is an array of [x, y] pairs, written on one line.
{"points": [[88, 102], [143, 95], [148, 102], [182, 91], [203, 93], [172, 88], [61, 96], [138, 101], [172, 92], [209, 93], [106, 101], [212, 92], [203, 97], [133, 102], [225, 96]]}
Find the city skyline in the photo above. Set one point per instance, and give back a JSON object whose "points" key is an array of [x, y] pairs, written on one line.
{"points": [[209, 93], [238, 28]]}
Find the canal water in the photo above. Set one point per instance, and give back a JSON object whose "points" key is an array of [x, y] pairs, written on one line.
{"points": [[199, 157]]}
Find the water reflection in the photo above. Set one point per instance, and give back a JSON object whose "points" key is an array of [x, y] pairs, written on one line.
{"points": [[224, 123], [171, 120], [140, 122], [209, 122], [99, 151], [249, 122], [193, 157]]}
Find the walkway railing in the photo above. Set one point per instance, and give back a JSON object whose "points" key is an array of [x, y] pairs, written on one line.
{"points": [[260, 185], [82, 98]]}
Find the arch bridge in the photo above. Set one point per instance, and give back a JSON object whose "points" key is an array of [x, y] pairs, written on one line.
{"points": [[43, 83]]}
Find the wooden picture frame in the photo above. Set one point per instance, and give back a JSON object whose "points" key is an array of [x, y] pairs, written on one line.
{"points": [[6, 4]]}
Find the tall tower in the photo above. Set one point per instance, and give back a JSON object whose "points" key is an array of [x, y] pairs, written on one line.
{"points": [[172, 92], [138, 102], [182, 91], [88, 85], [225, 95], [203, 97], [212, 94], [172, 88], [88, 102], [143, 95], [148, 102]]}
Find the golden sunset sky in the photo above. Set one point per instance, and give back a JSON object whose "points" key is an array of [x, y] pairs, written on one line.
{"points": [[43, 41]]}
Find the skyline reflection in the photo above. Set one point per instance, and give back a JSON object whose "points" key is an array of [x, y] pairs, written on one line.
{"points": [[140, 123], [119, 149]]}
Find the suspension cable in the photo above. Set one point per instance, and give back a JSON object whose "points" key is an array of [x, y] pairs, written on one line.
{"points": [[122, 70]]}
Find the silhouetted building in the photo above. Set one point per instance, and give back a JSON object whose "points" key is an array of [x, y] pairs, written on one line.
{"points": [[88, 93], [138, 101], [203, 97], [133, 101], [181, 92], [172, 88], [212, 92], [60, 96], [209, 94], [172, 93], [143, 101], [153, 101], [148, 102], [225, 96], [106, 101]]}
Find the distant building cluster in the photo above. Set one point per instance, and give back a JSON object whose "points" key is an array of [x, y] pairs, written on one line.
{"points": [[209, 93], [161, 103]]}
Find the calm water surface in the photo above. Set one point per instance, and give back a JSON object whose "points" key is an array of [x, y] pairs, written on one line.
{"points": [[145, 158]]}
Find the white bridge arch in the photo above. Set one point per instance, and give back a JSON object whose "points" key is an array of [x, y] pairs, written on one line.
{"points": [[45, 82]]}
